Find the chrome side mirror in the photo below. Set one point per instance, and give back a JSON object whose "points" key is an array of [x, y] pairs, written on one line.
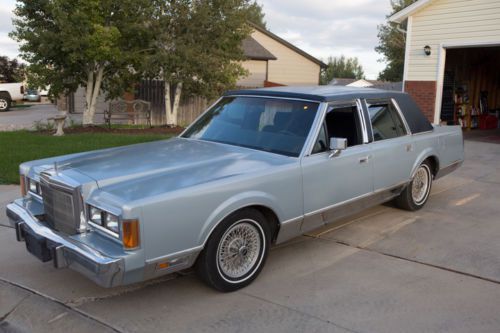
{"points": [[337, 145]]}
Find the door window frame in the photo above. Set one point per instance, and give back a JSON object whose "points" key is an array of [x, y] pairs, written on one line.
{"points": [[399, 114], [362, 114]]}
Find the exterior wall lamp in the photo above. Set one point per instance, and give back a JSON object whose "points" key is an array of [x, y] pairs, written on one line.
{"points": [[427, 50]]}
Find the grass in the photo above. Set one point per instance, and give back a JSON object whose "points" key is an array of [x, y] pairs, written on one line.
{"points": [[21, 146]]}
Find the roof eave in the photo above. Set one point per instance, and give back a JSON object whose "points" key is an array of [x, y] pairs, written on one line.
{"points": [[287, 44], [409, 11]]}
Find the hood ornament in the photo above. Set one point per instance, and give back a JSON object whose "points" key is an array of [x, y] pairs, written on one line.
{"points": [[55, 167]]}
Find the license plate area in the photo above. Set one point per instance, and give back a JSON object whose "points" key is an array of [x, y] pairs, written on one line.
{"points": [[37, 245]]}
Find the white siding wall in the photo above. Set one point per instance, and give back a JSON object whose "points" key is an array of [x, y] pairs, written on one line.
{"points": [[449, 22], [291, 68], [257, 69]]}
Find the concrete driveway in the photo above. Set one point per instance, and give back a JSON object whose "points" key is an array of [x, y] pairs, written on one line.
{"points": [[386, 270]]}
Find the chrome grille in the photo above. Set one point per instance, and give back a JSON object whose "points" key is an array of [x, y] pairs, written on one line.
{"points": [[61, 207]]}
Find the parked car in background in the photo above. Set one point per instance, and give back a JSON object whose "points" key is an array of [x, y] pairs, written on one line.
{"points": [[10, 92], [32, 95], [258, 168]]}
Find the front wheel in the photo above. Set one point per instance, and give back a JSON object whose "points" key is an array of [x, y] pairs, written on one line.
{"points": [[415, 195], [236, 251]]}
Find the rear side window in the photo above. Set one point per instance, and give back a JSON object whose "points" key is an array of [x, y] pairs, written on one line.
{"points": [[385, 119]]}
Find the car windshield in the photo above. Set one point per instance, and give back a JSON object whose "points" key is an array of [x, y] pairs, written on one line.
{"points": [[274, 125]]}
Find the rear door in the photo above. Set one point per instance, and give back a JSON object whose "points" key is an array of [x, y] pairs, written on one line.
{"points": [[393, 150], [329, 183]]}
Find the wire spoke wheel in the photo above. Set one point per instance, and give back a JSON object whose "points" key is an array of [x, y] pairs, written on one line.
{"points": [[239, 250], [420, 185], [236, 250]]}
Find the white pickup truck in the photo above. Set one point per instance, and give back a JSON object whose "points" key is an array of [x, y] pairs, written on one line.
{"points": [[10, 92]]}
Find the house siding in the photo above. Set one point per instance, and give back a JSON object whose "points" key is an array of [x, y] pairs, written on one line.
{"points": [[291, 68], [448, 21], [257, 76]]}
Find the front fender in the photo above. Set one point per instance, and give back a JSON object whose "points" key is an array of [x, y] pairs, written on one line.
{"points": [[241, 200]]}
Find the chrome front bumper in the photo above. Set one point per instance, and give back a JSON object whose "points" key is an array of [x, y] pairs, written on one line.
{"points": [[64, 252]]}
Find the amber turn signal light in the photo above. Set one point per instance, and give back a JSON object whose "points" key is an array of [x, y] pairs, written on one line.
{"points": [[22, 183], [130, 233]]}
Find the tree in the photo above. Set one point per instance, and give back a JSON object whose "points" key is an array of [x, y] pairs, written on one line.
{"points": [[392, 43], [256, 15], [11, 70], [342, 67], [91, 43], [197, 48]]}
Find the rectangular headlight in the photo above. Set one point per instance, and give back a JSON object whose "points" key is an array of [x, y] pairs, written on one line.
{"points": [[111, 222], [104, 219], [95, 215], [34, 186]]}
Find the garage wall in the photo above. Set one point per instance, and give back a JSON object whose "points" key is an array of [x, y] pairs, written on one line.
{"points": [[291, 68], [257, 70], [448, 21]]}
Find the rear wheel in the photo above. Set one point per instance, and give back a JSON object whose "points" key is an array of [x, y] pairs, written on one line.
{"points": [[415, 195], [236, 251], [5, 102]]}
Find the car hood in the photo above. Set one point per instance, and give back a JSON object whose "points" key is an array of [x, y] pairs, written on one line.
{"points": [[170, 164]]}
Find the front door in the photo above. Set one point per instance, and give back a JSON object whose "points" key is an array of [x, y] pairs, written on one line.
{"points": [[331, 183]]}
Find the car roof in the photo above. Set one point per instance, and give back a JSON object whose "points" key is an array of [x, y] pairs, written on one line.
{"points": [[316, 93]]}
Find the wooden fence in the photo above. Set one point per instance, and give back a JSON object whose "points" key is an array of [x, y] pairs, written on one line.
{"points": [[153, 91]]}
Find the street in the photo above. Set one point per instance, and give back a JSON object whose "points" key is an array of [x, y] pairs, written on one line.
{"points": [[385, 270], [26, 117]]}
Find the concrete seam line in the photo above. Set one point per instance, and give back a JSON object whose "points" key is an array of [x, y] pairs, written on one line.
{"points": [[451, 270], [4, 317], [80, 312], [298, 311]]}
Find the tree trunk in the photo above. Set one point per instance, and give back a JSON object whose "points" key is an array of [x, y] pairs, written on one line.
{"points": [[175, 108], [171, 109], [93, 89], [88, 98], [168, 104]]}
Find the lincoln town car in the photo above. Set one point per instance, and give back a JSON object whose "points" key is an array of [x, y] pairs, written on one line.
{"points": [[258, 168]]}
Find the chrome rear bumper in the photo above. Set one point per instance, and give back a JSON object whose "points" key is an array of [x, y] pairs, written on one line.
{"points": [[64, 252]]}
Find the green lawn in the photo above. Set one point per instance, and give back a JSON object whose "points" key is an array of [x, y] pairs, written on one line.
{"points": [[20, 146]]}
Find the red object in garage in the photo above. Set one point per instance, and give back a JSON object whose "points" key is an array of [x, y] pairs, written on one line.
{"points": [[488, 122]]}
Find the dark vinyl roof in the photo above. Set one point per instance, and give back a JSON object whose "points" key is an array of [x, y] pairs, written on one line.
{"points": [[316, 93], [288, 44], [254, 51], [414, 117]]}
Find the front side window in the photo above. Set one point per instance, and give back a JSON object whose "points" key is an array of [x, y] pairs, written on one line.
{"points": [[386, 122], [342, 121], [269, 124]]}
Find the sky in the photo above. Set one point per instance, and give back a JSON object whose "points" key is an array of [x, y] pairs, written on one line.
{"points": [[322, 28]]}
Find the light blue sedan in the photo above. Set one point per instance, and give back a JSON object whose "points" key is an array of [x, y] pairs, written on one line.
{"points": [[258, 168]]}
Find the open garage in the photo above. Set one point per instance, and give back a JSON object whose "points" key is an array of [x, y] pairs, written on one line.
{"points": [[451, 62]]}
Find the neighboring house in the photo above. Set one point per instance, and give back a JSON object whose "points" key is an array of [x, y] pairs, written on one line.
{"points": [[362, 83], [452, 52], [274, 61]]}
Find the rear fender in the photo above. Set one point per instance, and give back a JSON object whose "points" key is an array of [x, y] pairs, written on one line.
{"points": [[425, 154]]}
